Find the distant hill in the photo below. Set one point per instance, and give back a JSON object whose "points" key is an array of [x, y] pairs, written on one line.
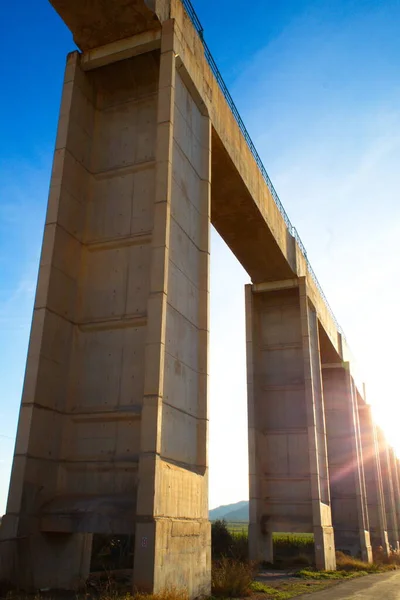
{"points": [[231, 512]]}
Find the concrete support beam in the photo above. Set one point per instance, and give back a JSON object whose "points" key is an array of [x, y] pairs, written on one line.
{"points": [[289, 488], [121, 50], [95, 23], [388, 490], [373, 479], [346, 472], [112, 436]]}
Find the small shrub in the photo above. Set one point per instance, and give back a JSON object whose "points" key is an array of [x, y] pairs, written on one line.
{"points": [[221, 540], [380, 557], [231, 578], [240, 546], [345, 562], [225, 543]]}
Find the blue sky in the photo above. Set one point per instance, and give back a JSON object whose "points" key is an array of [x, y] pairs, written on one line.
{"points": [[318, 86]]}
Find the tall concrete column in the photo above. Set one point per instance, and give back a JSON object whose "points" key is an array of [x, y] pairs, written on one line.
{"points": [[173, 536], [346, 473], [396, 485], [373, 478], [388, 490], [112, 436], [287, 442]]}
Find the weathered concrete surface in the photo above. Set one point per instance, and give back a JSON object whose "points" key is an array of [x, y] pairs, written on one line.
{"points": [[373, 478], [172, 511], [345, 460], [289, 488]]}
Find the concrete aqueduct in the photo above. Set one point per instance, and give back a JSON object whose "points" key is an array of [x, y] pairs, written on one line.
{"points": [[112, 434]]}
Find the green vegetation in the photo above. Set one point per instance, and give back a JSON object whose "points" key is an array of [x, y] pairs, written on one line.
{"points": [[331, 575], [236, 527], [233, 575], [226, 543], [293, 550], [290, 550], [287, 589]]}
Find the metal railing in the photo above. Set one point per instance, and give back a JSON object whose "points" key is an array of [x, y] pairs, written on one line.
{"points": [[292, 230]]}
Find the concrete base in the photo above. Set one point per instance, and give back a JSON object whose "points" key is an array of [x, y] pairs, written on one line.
{"points": [[33, 562], [166, 543], [324, 541], [380, 542], [260, 545]]}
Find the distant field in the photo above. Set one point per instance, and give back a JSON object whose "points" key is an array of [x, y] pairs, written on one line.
{"points": [[299, 538], [289, 549], [238, 527]]}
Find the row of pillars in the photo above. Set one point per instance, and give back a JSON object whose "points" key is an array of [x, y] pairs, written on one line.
{"points": [[318, 463]]}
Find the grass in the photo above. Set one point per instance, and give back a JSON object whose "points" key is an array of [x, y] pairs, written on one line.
{"points": [[330, 575], [237, 527], [288, 589], [231, 578]]}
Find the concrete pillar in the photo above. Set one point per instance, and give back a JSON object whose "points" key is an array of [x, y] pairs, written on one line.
{"points": [[396, 485], [289, 489], [173, 536], [346, 473], [112, 435], [373, 479], [388, 490]]}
